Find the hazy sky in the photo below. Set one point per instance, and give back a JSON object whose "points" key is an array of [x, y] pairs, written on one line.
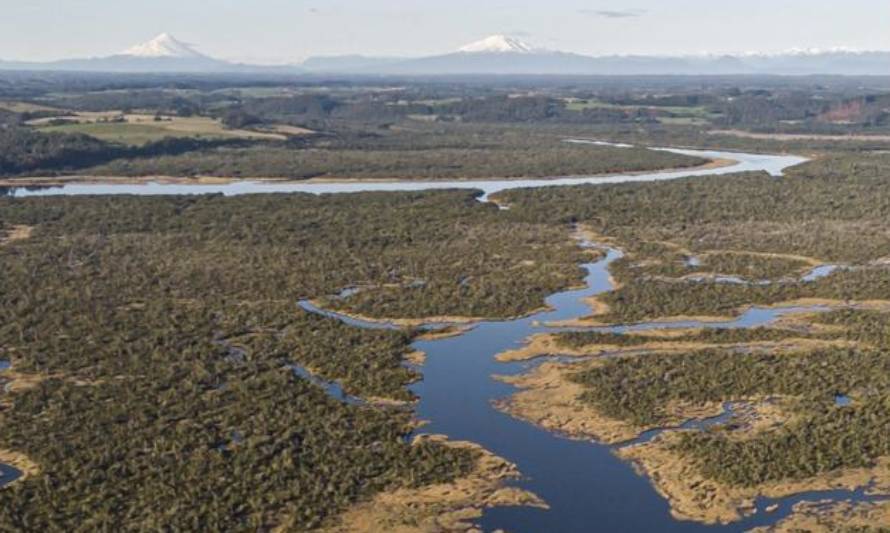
{"points": [[290, 30]]}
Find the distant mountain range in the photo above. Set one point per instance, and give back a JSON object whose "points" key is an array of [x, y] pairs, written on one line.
{"points": [[498, 55], [502, 54], [162, 54]]}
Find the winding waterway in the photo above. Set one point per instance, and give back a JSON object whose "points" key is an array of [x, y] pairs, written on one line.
{"points": [[586, 485], [774, 164], [8, 474]]}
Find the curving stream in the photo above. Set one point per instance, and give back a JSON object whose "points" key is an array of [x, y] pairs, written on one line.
{"points": [[8, 474], [774, 164], [587, 487]]}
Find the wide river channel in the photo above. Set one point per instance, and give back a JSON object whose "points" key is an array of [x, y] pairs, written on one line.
{"points": [[774, 164], [587, 487]]}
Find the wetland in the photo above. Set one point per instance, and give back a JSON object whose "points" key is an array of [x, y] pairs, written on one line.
{"points": [[442, 315]]}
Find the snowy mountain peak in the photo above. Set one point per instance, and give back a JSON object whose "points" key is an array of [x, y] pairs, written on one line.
{"points": [[164, 45], [805, 52], [499, 44]]}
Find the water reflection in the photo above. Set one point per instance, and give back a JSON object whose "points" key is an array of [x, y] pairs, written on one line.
{"points": [[773, 164], [586, 485], [8, 474]]}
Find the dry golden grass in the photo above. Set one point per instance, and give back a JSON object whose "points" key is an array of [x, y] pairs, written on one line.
{"points": [[21, 462], [24, 107], [825, 517], [694, 497], [443, 507], [137, 129], [550, 400], [16, 233]]}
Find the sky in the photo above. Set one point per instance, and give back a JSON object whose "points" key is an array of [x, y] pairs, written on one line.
{"points": [[284, 31]]}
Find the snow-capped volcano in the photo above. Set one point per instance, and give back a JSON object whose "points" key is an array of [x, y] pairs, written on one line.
{"points": [[164, 53], [494, 55], [164, 45], [499, 44]]}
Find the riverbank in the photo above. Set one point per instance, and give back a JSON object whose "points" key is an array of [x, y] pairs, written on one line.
{"points": [[57, 181], [444, 507], [456, 325], [695, 497], [549, 400], [660, 341], [455, 395], [827, 516], [799, 304], [20, 462], [16, 233]]}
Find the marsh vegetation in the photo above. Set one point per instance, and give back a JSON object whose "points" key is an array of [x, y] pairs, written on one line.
{"points": [[153, 338], [156, 335]]}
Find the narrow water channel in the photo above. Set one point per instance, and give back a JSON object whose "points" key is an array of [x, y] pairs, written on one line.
{"points": [[773, 164], [8, 474], [587, 487]]}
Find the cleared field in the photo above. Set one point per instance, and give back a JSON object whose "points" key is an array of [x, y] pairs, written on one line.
{"points": [[581, 105], [141, 129], [286, 130], [681, 116], [683, 121], [82, 117], [24, 107]]}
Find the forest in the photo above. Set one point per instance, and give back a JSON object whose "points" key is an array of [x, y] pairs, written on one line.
{"points": [[423, 152], [582, 339], [832, 210], [153, 338], [766, 232], [430, 129], [818, 436]]}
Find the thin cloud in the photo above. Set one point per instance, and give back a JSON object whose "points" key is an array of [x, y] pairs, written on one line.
{"points": [[613, 13]]}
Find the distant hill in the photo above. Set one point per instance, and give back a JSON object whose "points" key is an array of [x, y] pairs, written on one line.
{"points": [[349, 63]]}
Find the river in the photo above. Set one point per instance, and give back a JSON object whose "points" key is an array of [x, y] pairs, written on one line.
{"points": [[586, 485], [774, 164], [8, 474]]}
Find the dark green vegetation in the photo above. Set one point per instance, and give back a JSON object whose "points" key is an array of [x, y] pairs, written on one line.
{"points": [[146, 423], [820, 436], [160, 330], [424, 152], [357, 131], [24, 150], [581, 339], [824, 438], [834, 209], [637, 389], [304, 246], [467, 128], [675, 264], [812, 212]]}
